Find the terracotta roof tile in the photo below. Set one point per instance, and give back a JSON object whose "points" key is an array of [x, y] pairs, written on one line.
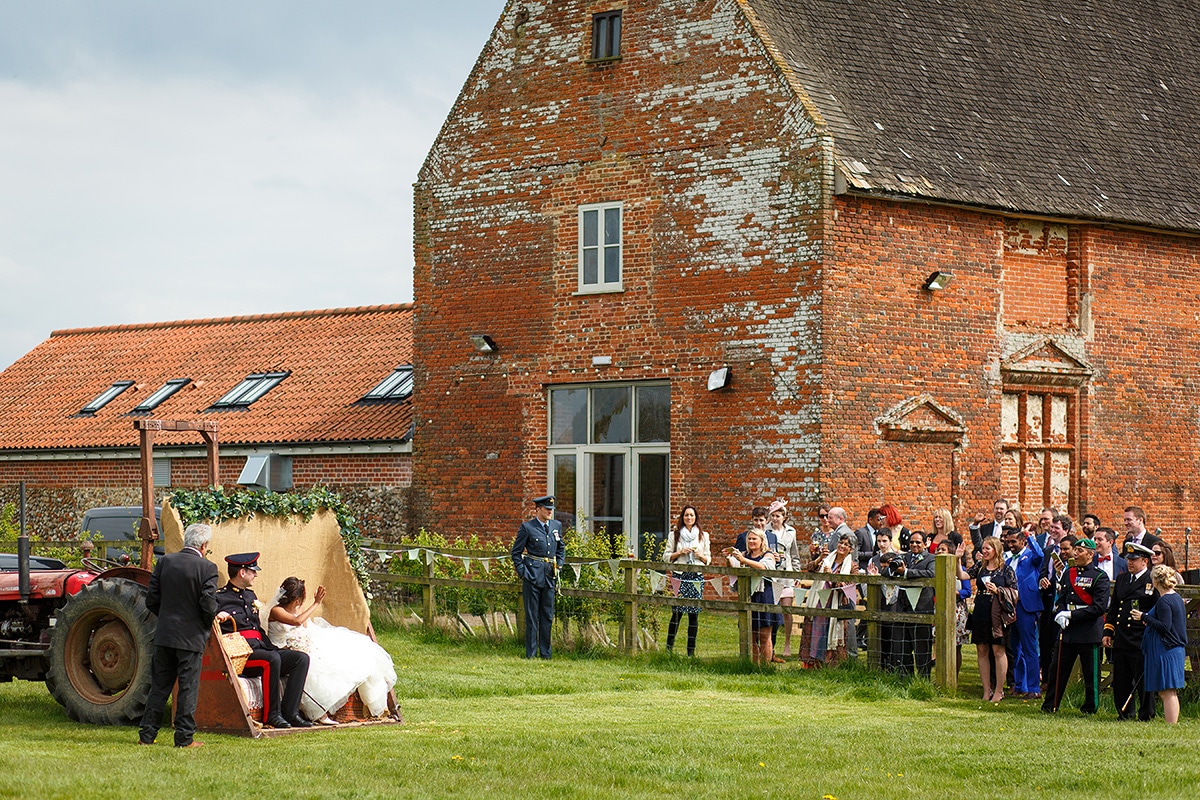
{"points": [[335, 356]]}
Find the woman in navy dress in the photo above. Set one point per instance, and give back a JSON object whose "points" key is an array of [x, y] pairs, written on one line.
{"points": [[687, 544], [1164, 641], [757, 556]]}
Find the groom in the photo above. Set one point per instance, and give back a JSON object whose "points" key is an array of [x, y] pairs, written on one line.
{"points": [[238, 609]]}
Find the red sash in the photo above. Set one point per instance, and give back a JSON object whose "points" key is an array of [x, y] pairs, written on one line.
{"points": [[257, 635], [1084, 594]]}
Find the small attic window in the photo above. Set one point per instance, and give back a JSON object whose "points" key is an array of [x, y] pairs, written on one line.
{"points": [[397, 386], [606, 36], [105, 397], [155, 400], [249, 390]]}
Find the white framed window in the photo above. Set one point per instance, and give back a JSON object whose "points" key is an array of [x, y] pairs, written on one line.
{"points": [[608, 453], [600, 256]]}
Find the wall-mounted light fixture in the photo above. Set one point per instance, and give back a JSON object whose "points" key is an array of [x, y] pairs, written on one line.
{"points": [[601, 361], [484, 344], [719, 379], [938, 281]]}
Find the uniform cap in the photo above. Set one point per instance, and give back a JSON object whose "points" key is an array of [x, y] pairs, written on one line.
{"points": [[245, 560], [545, 501], [1135, 550], [1090, 544]]}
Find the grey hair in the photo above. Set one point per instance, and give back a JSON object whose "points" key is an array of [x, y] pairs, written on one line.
{"points": [[197, 535], [838, 511]]}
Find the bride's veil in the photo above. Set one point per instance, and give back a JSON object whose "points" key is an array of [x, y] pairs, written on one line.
{"points": [[264, 613]]}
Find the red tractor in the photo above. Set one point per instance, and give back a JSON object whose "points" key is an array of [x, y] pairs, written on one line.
{"points": [[87, 632]]}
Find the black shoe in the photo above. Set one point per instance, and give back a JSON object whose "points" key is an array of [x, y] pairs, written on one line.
{"points": [[300, 722], [278, 722]]}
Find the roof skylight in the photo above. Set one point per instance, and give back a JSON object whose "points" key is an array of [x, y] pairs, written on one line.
{"points": [[249, 390], [105, 397], [397, 386], [155, 400]]}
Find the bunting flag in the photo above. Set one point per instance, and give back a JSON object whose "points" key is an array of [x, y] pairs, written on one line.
{"points": [[657, 581], [756, 585], [384, 556], [913, 593], [614, 568], [822, 596], [800, 595], [851, 592], [674, 584], [414, 554], [487, 565], [429, 556], [466, 565]]}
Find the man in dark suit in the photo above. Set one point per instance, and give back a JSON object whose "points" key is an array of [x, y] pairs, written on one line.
{"points": [[915, 641], [538, 553], [239, 608], [1135, 529], [1082, 603], [1107, 558], [1123, 634], [981, 530], [866, 536], [183, 593]]}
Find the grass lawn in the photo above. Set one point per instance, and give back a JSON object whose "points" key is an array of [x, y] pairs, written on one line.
{"points": [[482, 722]]}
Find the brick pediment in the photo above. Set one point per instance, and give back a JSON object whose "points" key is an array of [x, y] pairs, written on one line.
{"points": [[921, 419], [1045, 362]]}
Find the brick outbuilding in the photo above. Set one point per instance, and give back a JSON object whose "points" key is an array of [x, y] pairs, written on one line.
{"points": [[328, 392], [631, 197]]}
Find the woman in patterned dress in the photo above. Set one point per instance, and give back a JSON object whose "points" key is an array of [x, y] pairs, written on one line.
{"points": [[687, 544]]}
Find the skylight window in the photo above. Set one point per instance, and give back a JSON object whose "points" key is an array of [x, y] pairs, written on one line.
{"points": [[105, 397], [397, 386], [155, 400], [249, 390]]}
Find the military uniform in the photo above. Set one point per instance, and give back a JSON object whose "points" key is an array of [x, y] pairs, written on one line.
{"points": [[537, 554], [1129, 592], [1083, 595], [281, 708]]}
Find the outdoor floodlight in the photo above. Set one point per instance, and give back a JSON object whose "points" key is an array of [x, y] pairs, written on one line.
{"points": [[484, 344], [938, 281], [719, 379]]}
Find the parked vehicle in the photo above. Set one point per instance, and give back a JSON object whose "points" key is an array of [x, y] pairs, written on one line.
{"points": [[110, 523]]}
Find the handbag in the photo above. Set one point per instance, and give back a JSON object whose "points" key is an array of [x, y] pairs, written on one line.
{"points": [[237, 648]]}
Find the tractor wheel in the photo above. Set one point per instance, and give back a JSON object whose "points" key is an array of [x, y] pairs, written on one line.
{"points": [[100, 653]]}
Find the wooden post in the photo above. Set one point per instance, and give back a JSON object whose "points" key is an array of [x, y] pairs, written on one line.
{"points": [[631, 612], [946, 593], [429, 602], [745, 632], [874, 641]]}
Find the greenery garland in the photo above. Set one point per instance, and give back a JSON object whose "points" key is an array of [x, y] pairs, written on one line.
{"points": [[215, 506]]}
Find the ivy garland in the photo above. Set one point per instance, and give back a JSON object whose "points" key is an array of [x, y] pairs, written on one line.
{"points": [[214, 505]]}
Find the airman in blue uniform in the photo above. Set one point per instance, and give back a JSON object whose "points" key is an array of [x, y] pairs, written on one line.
{"points": [[537, 554]]}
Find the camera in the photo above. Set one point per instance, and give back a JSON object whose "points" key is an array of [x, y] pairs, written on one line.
{"points": [[891, 565]]}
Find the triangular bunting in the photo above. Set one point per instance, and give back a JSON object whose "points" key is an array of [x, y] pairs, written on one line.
{"points": [[487, 565], [614, 566], [851, 592], [466, 565], [913, 593], [414, 554]]}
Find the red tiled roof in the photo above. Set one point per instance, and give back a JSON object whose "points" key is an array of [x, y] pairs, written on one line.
{"points": [[334, 356]]}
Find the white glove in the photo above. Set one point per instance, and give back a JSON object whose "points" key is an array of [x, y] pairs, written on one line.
{"points": [[1063, 619]]}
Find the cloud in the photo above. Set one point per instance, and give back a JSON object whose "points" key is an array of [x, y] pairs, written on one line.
{"points": [[169, 161]]}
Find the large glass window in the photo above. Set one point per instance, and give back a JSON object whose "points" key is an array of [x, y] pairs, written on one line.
{"points": [[600, 247], [608, 455]]}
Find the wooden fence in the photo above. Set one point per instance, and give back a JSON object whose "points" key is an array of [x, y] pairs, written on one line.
{"points": [[942, 620]]}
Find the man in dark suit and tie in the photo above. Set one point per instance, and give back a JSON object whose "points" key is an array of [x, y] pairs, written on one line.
{"points": [[538, 553], [981, 530], [913, 643], [183, 593], [1135, 529]]}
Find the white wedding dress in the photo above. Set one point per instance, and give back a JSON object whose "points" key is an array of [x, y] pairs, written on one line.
{"points": [[340, 662]]}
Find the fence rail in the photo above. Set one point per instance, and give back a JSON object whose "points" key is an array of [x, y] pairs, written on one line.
{"points": [[942, 619]]}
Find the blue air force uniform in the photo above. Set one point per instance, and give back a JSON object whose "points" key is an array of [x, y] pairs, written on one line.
{"points": [[537, 554]]}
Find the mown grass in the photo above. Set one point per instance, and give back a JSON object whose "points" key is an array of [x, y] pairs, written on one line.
{"points": [[483, 722]]}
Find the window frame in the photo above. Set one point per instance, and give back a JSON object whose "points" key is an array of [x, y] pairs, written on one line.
{"points": [[254, 387], [104, 398], [401, 378], [160, 395], [601, 286], [601, 20]]}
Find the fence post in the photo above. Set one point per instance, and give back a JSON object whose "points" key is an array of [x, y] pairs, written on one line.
{"points": [[428, 600], [631, 611], [874, 643], [745, 632], [946, 594]]}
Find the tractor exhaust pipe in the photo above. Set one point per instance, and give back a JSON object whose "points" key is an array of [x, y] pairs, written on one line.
{"points": [[23, 550]]}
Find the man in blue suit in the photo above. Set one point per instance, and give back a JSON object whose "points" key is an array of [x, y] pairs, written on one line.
{"points": [[1026, 666], [538, 553]]}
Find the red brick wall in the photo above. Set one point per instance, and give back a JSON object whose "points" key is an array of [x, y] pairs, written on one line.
{"points": [[690, 126]]}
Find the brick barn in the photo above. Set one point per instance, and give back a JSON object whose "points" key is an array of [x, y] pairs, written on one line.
{"points": [[722, 251], [328, 392]]}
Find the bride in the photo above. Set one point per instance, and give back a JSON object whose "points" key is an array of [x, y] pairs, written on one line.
{"points": [[341, 661]]}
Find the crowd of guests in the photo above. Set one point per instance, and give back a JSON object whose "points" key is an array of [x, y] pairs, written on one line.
{"points": [[1034, 597]]}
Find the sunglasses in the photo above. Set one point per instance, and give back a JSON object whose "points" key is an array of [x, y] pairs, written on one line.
{"points": [[822, 516]]}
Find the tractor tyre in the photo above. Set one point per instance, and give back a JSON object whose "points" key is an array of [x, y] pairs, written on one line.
{"points": [[100, 653]]}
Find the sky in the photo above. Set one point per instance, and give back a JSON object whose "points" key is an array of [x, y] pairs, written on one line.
{"points": [[163, 161]]}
